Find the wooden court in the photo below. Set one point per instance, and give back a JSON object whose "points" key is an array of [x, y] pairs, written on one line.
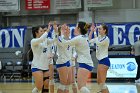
{"points": [[27, 87]]}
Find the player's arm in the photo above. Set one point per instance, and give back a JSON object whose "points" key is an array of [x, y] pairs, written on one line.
{"points": [[74, 41], [51, 41], [64, 34], [37, 41], [92, 30]]}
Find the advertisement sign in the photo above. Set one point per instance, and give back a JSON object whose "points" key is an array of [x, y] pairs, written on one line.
{"points": [[37, 4], [122, 68], [12, 37], [67, 4], [9, 5], [122, 89], [98, 3]]}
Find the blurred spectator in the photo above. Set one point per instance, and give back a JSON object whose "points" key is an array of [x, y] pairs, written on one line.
{"points": [[136, 52]]}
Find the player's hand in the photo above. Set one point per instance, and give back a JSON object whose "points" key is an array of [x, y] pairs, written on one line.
{"points": [[55, 26], [63, 32], [93, 27], [49, 27]]}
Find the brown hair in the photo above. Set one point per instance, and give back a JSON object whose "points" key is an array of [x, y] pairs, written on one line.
{"points": [[59, 30], [105, 28], [83, 27], [35, 30]]}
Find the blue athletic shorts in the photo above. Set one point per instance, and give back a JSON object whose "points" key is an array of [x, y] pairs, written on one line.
{"points": [[83, 65], [36, 69], [67, 64], [105, 61]]}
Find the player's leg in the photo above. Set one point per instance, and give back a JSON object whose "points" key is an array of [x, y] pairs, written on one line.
{"points": [[82, 77], [102, 71], [72, 80], [38, 77], [103, 66], [63, 71], [45, 88], [51, 82]]}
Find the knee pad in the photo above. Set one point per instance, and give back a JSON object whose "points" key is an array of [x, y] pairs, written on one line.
{"points": [[102, 86], [45, 91], [66, 87], [35, 90], [51, 82], [61, 86], [84, 90], [45, 78]]}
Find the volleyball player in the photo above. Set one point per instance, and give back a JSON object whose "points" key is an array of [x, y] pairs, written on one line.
{"points": [[51, 68], [83, 51], [39, 65], [102, 44], [136, 51], [72, 71], [72, 57], [62, 63]]}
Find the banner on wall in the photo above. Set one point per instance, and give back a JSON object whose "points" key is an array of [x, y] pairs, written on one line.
{"points": [[119, 34], [98, 3], [37, 4], [123, 34], [9, 5], [12, 37], [67, 4]]}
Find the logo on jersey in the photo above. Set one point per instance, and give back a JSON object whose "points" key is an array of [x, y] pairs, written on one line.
{"points": [[131, 66], [68, 47], [44, 50]]}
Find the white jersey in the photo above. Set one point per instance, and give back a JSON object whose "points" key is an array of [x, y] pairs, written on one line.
{"points": [[102, 44], [51, 53], [72, 52], [40, 52], [82, 49], [63, 52], [46, 55], [72, 55]]}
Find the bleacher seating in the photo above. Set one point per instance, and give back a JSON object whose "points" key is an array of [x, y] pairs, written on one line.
{"points": [[9, 58]]}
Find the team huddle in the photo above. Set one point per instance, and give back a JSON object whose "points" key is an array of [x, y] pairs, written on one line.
{"points": [[70, 51]]}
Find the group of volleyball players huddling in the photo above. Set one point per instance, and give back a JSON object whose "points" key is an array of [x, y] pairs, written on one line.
{"points": [[70, 51]]}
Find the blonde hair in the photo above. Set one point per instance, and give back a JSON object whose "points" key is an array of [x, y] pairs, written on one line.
{"points": [[87, 26]]}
